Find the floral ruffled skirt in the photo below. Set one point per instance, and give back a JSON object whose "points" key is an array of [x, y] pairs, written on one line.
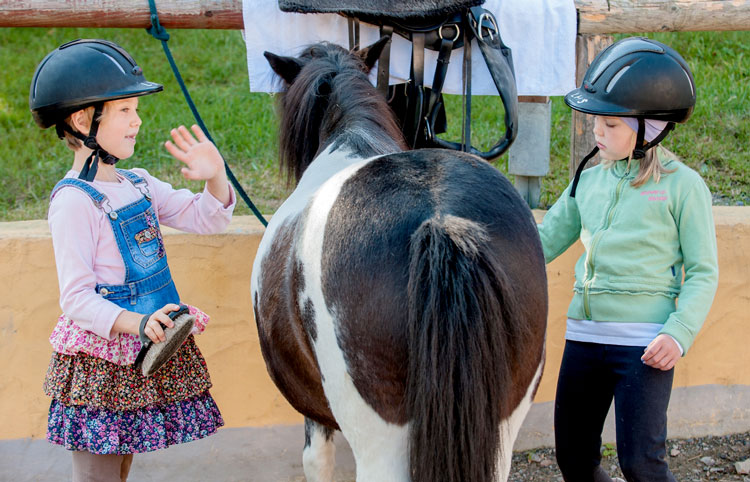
{"points": [[108, 408]]}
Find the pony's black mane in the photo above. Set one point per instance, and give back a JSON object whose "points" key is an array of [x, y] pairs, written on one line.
{"points": [[332, 102]]}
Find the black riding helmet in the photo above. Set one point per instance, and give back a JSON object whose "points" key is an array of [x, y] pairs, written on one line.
{"points": [[79, 74], [636, 77]]}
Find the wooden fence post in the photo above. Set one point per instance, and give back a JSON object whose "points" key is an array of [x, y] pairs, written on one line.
{"points": [[528, 156], [581, 139]]}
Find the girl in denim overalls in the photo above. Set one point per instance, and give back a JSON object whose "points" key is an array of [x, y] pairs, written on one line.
{"points": [[114, 278]]}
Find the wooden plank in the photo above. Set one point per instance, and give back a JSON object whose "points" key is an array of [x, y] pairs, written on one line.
{"points": [[582, 125], [632, 16], [534, 99], [191, 14], [595, 16]]}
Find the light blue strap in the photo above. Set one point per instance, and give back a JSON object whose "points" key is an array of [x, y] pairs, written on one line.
{"points": [[100, 200]]}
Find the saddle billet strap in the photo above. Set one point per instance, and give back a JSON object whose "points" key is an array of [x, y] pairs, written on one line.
{"points": [[353, 24], [384, 62], [441, 69], [434, 99], [415, 91], [466, 96], [440, 72]]}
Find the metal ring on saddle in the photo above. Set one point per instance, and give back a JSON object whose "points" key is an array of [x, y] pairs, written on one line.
{"points": [[479, 23], [458, 31]]}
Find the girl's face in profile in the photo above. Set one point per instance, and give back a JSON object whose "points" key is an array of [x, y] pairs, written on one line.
{"points": [[614, 138], [119, 127]]}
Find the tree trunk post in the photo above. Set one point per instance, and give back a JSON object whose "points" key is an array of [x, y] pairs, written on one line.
{"points": [[581, 138]]}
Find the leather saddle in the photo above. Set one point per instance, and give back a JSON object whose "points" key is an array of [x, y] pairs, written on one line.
{"points": [[438, 25]]}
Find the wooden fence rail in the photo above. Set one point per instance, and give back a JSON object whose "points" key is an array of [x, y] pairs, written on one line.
{"points": [[594, 16], [597, 19]]}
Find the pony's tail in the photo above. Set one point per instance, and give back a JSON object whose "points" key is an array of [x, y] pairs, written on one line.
{"points": [[459, 330]]}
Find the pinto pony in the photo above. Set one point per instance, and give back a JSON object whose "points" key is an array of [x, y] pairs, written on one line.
{"points": [[400, 297]]}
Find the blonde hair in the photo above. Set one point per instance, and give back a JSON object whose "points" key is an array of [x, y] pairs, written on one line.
{"points": [[651, 165], [72, 141]]}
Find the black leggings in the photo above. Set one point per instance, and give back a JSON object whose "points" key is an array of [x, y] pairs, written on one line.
{"points": [[591, 375]]}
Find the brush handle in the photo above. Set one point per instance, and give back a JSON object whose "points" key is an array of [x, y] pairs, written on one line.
{"points": [[172, 316], [142, 327]]}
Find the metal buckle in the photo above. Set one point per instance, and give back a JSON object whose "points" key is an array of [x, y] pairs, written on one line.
{"points": [[481, 21], [108, 209]]}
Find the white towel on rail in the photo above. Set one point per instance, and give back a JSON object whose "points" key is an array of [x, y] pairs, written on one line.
{"points": [[541, 34]]}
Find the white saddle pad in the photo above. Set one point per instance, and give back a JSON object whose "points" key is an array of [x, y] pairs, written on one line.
{"points": [[541, 34]]}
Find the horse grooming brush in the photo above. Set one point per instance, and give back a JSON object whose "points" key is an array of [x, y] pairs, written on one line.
{"points": [[154, 355]]}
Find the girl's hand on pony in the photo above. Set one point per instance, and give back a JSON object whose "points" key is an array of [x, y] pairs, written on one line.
{"points": [[662, 353], [201, 157]]}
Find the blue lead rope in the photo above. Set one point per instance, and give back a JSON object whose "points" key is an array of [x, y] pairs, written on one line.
{"points": [[160, 33]]}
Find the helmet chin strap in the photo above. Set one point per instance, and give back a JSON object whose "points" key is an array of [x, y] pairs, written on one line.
{"points": [[638, 153], [640, 148], [88, 172]]}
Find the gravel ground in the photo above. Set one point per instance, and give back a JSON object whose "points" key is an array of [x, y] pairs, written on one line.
{"points": [[690, 460]]}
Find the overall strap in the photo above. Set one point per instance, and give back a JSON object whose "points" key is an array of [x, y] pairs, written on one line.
{"points": [[137, 181], [100, 200]]}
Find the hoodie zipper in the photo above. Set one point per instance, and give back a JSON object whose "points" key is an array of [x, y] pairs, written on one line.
{"points": [[594, 243]]}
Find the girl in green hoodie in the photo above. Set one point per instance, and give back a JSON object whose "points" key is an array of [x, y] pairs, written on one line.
{"points": [[644, 219]]}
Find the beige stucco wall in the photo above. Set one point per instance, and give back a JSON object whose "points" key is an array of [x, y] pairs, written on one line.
{"points": [[213, 272]]}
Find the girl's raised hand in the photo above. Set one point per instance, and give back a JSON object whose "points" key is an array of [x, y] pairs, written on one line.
{"points": [[200, 156]]}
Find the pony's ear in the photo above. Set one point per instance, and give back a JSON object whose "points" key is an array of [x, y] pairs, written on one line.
{"points": [[371, 54], [286, 67]]}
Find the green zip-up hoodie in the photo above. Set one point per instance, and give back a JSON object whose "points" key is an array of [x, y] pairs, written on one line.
{"points": [[637, 242]]}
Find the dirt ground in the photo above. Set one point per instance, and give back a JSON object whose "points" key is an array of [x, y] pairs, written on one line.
{"points": [[690, 460]]}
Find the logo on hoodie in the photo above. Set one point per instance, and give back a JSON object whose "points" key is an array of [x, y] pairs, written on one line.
{"points": [[655, 195]]}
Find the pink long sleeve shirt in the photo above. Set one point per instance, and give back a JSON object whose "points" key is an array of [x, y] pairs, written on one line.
{"points": [[86, 252]]}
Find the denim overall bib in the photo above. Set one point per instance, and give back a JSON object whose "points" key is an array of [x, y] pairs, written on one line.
{"points": [[148, 283]]}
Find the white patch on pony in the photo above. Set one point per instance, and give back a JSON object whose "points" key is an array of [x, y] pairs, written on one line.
{"points": [[380, 448], [509, 427], [320, 170], [318, 459]]}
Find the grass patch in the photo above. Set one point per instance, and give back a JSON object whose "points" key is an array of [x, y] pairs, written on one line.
{"points": [[244, 124]]}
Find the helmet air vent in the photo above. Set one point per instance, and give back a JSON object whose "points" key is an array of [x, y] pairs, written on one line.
{"points": [[615, 78], [114, 61]]}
